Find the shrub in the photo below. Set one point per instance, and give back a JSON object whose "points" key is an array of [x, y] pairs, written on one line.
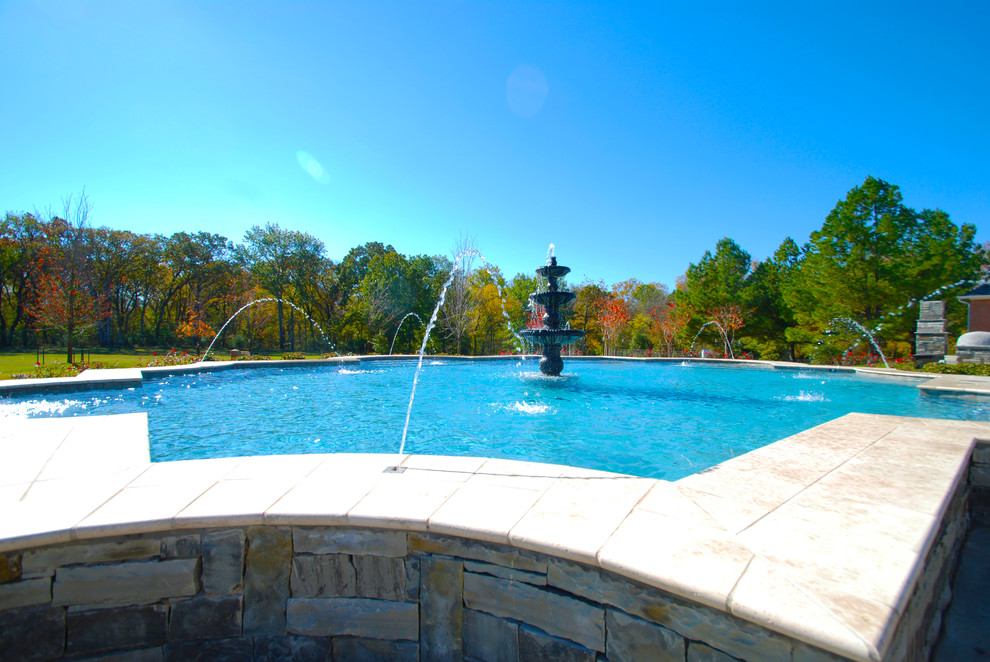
{"points": [[958, 369], [172, 357]]}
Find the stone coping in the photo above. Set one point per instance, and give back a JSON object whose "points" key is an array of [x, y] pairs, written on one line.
{"points": [[820, 536]]}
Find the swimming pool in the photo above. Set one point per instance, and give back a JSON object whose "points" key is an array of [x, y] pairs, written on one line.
{"points": [[654, 419]]}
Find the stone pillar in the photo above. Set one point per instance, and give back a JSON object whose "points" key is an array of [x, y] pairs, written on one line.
{"points": [[931, 341]]}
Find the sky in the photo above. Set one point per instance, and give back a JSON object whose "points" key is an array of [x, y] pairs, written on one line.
{"points": [[633, 136]]}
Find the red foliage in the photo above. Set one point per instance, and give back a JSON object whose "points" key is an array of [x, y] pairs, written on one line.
{"points": [[612, 319], [535, 317], [668, 322]]}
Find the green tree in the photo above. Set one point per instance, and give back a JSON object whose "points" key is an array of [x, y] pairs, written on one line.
{"points": [[516, 294], [20, 239], [872, 255], [769, 314], [386, 294], [854, 265], [592, 297], [715, 288], [719, 279], [489, 330], [277, 259]]}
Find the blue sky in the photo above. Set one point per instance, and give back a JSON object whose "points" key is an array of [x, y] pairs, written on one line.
{"points": [[633, 136]]}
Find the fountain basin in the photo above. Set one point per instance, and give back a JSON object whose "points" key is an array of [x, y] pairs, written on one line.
{"points": [[553, 271], [549, 299], [552, 336]]}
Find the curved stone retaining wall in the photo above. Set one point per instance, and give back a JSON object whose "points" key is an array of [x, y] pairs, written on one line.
{"points": [[341, 593]]}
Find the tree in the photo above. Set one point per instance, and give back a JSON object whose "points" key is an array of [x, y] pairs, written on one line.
{"points": [[456, 319], [195, 329], [853, 265], [729, 319], [669, 321], [588, 305], [185, 262], [489, 325], [64, 297], [613, 320], [325, 292], [517, 303], [385, 295], [117, 270], [277, 259], [872, 255], [770, 316], [719, 279], [21, 236], [717, 282]]}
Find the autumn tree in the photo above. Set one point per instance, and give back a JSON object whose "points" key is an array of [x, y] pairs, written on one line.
{"points": [[669, 321], [729, 319], [591, 299], [612, 320], [489, 330], [194, 329], [64, 297]]}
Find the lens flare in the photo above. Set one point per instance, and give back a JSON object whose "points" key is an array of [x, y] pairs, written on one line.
{"points": [[311, 166], [526, 90]]}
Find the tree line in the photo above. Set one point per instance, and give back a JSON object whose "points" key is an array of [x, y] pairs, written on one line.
{"points": [[64, 283]]}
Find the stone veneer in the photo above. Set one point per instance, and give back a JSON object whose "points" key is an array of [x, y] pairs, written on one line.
{"points": [[342, 593], [347, 593]]}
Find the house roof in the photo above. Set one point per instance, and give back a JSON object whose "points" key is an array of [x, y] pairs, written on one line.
{"points": [[979, 292]]}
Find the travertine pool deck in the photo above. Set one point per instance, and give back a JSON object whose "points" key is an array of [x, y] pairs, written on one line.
{"points": [[821, 536]]}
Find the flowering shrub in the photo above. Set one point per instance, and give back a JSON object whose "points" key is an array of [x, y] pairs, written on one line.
{"points": [[293, 356], [868, 359], [60, 370], [172, 357]]}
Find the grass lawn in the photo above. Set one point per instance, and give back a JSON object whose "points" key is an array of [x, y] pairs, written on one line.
{"points": [[19, 362]]}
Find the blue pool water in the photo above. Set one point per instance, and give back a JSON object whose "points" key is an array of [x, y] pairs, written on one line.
{"points": [[662, 420]]}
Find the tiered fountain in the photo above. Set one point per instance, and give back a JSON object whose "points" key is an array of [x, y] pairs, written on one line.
{"points": [[550, 336]]}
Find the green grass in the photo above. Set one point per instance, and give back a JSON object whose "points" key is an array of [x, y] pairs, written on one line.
{"points": [[20, 362]]}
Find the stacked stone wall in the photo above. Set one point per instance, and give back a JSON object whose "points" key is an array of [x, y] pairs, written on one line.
{"points": [[307, 594], [341, 593], [917, 632]]}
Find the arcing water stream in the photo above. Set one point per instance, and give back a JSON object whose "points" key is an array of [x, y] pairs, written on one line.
{"points": [[392, 346], [256, 301]]}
